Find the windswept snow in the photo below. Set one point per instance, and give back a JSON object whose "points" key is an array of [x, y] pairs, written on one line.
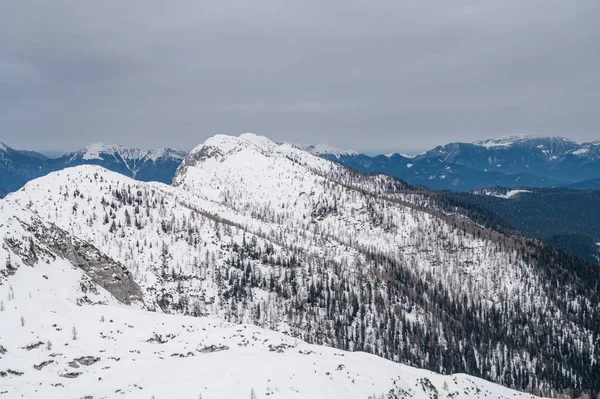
{"points": [[500, 194], [123, 352], [96, 151], [93, 151], [581, 151], [325, 149], [511, 193]]}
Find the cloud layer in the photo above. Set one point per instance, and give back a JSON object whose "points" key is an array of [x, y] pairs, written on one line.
{"points": [[368, 75]]}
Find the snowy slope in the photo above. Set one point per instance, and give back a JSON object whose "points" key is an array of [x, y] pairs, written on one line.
{"points": [[124, 352]]}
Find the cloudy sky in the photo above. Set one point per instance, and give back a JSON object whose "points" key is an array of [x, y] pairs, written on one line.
{"points": [[370, 75]]}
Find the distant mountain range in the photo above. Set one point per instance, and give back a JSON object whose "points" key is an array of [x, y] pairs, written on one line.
{"points": [[18, 167], [511, 161]]}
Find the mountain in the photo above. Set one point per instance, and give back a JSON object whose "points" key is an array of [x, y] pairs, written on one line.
{"points": [[19, 167], [592, 184], [511, 161], [144, 165], [567, 218], [64, 335], [268, 234]]}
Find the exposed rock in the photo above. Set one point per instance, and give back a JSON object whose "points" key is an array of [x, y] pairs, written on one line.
{"points": [[73, 374], [42, 364], [87, 360], [73, 364], [157, 338], [102, 270], [33, 346], [212, 348]]}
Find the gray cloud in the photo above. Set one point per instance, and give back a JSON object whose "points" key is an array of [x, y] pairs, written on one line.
{"points": [[367, 75]]}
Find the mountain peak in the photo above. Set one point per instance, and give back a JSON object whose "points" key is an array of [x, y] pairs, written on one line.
{"points": [[321, 149], [93, 150]]}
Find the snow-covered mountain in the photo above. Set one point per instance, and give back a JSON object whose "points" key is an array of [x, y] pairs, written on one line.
{"points": [[19, 167], [268, 234], [145, 165], [510, 161], [325, 150]]}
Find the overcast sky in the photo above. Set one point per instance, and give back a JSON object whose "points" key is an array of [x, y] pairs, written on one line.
{"points": [[370, 75]]}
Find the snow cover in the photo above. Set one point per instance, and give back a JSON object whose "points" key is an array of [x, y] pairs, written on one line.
{"points": [[504, 141], [508, 194], [409, 156], [511, 193], [93, 150], [96, 150], [244, 175], [580, 151], [510, 140], [325, 149], [124, 352]]}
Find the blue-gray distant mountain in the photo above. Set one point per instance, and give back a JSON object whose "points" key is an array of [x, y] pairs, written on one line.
{"points": [[145, 165], [511, 161], [592, 184], [18, 167]]}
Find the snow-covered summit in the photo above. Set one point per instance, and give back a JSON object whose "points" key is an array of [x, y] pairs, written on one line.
{"points": [[146, 165], [326, 149], [251, 163], [100, 150], [520, 139], [93, 150]]}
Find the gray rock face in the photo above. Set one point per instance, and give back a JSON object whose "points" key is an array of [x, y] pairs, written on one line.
{"points": [[74, 374], [51, 241], [87, 360], [43, 364]]}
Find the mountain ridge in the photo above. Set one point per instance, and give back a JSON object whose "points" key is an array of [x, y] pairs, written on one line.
{"points": [[17, 167], [511, 161]]}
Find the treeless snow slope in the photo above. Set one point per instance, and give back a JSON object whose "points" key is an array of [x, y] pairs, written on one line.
{"points": [[124, 352]]}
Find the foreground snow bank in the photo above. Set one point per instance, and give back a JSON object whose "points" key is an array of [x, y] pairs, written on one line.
{"points": [[125, 352]]}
